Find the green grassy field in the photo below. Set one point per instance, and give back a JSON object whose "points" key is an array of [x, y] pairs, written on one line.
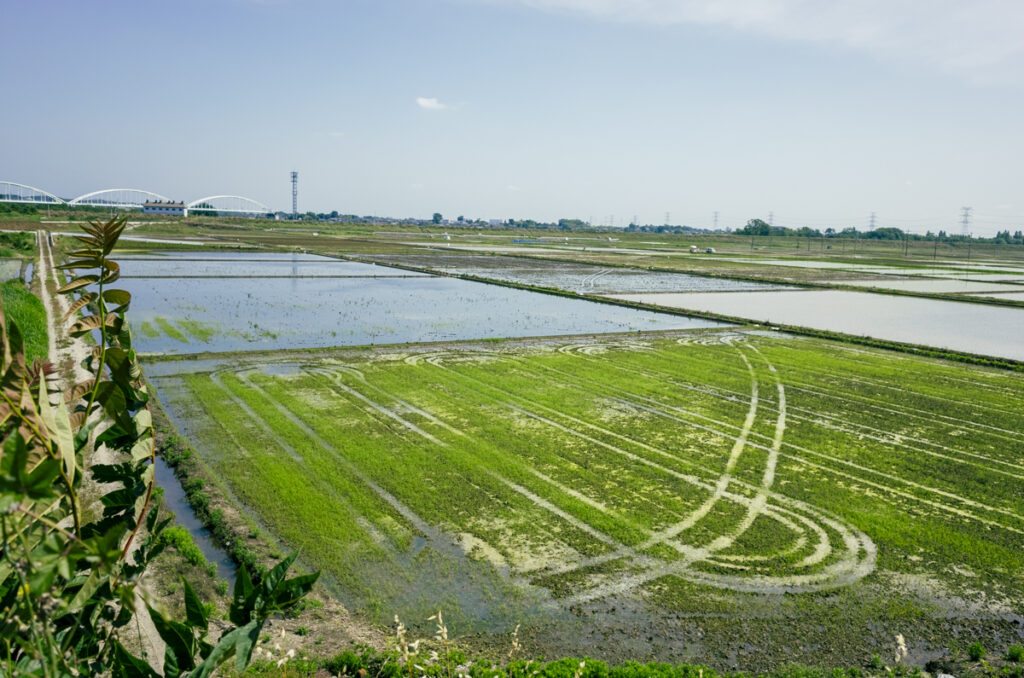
{"points": [[661, 497], [26, 310]]}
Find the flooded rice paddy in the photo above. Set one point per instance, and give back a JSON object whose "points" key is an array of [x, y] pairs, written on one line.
{"points": [[943, 286], [311, 308], [252, 265], [583, 278], [986, 330]]}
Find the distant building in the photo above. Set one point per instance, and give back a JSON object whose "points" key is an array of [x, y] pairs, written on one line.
{"points": [[171, 209]]}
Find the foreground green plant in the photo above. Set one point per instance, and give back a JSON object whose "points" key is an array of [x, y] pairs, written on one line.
{"points": [[68, 584]]}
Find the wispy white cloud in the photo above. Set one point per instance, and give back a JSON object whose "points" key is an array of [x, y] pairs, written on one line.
{"points": [[336, 135], [430, 103], [977, 39]]}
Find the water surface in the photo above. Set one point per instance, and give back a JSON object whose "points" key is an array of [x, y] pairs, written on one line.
{"points": [[974, 328], [198, 314]]}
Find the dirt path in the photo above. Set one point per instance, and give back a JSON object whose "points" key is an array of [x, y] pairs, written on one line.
{"points": [[67, 354]]}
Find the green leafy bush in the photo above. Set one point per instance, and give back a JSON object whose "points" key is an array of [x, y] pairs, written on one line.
{"points": [[181, 540], [68, 587]]}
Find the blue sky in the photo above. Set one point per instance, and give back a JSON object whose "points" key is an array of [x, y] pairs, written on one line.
{"points": [[818, 112]]}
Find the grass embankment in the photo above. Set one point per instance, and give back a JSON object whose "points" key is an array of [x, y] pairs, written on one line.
{"points": [[26, 310], [525, 485]]}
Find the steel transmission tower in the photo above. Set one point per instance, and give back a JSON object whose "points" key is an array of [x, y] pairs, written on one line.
{"points": [[871, 226], [716, 221], [295, 194], [965, 219]]}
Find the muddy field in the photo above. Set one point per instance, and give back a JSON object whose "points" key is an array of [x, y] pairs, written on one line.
{"points": [[736, 498]]}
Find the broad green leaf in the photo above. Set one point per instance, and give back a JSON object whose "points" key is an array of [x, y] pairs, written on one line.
{"points": [[80, 303], [79, 282], [238, 612], [293, 590], [117, 297], [127, 665], [195, 613], [177, 636], [273, 579], [58, 425], [91, 585], [240, 642], [143, 449], [88, 262], [95, 322]]}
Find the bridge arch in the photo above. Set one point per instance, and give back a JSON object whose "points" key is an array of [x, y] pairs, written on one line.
{"points": [[15, 192], [233, 204], [118, 197]]}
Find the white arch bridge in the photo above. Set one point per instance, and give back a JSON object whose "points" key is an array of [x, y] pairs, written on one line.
{"points": [[231, 204], [130, 198]]}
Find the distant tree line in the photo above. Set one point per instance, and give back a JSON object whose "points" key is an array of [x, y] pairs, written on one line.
{"points": [[761, 227], [752, 227]]}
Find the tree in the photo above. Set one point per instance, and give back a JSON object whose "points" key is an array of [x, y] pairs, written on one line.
{"points": [[756, 227], [437, 217]]}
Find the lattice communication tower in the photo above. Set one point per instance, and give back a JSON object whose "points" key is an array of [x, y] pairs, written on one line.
{"points": [[295, 194]]}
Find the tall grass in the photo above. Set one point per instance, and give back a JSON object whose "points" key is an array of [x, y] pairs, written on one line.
{"points": [[26, 310]]}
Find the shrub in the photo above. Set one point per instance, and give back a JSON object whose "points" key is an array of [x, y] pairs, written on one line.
{"points": [[1015, 653], [182, 541], [975, 651]]}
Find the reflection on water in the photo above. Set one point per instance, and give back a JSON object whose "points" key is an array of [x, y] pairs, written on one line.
{"points": [[190, 315]]}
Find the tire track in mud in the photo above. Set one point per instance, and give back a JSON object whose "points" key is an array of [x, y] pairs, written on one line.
{"points": [[726, 478], [885, 488], [815, 418], [733, 396], [532, 497], [882, 385], [915, 413], [260, 423], [391, 414], [857, 562], [418, 523]]}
